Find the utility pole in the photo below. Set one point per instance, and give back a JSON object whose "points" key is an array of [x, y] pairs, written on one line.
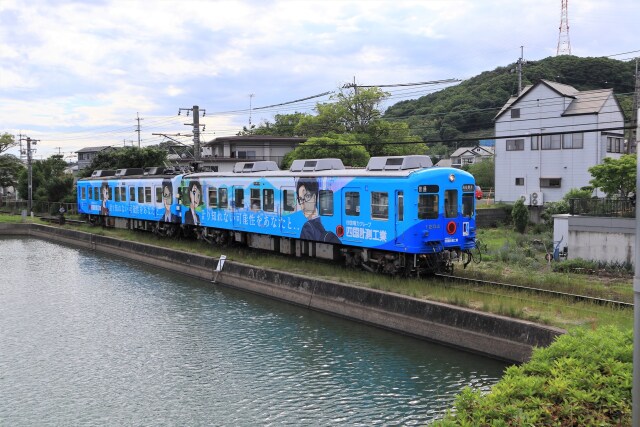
{"points": [[635, 389], [138, 128], [196, 131], [520, 63], [251, 95], [29, 169], [633, 134]]}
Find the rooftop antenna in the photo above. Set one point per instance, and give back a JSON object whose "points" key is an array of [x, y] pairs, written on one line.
{"points": [[564, 45]]}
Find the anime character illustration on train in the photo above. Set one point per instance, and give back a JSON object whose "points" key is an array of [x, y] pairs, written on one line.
{"points": [[104, 192], [167, 201], [195, 200], [307, 190]]}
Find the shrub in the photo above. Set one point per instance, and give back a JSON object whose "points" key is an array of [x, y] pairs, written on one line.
{"points": [[520, 215], [584, 378]]}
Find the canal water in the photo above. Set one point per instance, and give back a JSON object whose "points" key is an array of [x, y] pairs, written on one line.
{"points": [[88, 339]]}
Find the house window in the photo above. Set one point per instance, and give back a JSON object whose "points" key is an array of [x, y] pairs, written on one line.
{"points": [[246, 154], [515, 144], [551, 142], [535, 143], [515, 113], [614, 145], [573, 141], [519, 181], [550, 182]]}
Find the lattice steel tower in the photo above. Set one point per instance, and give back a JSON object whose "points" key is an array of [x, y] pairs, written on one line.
{"points": [[564, 45]]}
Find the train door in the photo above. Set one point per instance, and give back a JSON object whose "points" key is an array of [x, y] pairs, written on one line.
{"points": [[288, 200], [399, 218], [430, 208], [352, 221], [239, 213]]}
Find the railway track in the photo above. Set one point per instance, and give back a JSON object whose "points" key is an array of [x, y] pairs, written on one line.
{"points": [[573, 297]]}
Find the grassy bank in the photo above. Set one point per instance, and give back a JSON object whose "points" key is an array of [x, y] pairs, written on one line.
{"points": [[509, 257]]}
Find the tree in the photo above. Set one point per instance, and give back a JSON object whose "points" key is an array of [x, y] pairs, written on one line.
{"points": [[10, 168], [344, 147], [49, 181], [484, 173], [616, 177], [385, 138], [7, 141], [129, 157], [283, 125]]}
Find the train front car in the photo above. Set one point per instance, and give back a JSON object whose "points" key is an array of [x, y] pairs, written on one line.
{"points": [[446, 221]]}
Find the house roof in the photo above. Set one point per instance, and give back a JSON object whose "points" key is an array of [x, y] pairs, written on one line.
{"points": [[474, 151], [93, 149], [559, 88], [588, 102], [444, 163], [256, 139]]}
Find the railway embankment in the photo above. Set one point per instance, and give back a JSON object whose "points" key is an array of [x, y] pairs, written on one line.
{"points": [[496, 336]]}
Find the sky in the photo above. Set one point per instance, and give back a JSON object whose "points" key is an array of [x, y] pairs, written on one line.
{"points": [[76, 74]]}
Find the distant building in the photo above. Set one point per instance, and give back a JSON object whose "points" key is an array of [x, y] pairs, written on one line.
{"points": [[223, 152], [465, 156], [86, 155], [549, 136]]}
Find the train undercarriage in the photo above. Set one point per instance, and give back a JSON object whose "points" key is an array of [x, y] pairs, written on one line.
{"points": [[376, 261]]}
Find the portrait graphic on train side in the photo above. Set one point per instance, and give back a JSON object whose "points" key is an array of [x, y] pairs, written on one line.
{"points": [[104, 195], [195, 200], [167, 199], [307, 190]]}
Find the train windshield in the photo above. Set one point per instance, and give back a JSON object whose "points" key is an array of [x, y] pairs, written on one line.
{"points": [[467, 204]]}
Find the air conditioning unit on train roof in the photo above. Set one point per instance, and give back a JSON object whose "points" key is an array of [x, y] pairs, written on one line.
{"points": [[257, 166], [387, 163], [314, 165]]}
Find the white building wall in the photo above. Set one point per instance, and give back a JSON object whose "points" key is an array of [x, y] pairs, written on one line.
{"points": [[541, 112]]}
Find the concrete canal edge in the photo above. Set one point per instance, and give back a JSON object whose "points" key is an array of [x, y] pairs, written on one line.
{"points": [[500, 337]]}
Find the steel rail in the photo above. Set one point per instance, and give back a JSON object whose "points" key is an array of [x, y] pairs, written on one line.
{"points": [[575, 297]]}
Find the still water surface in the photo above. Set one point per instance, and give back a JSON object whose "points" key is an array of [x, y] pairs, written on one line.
{"points": [[87, 339]]}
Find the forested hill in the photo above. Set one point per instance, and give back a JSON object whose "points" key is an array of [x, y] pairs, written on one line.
{"points": [[467, 110]]}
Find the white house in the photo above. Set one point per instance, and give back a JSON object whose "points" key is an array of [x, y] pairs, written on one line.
{"points": [[223, 152], [549, 136]]}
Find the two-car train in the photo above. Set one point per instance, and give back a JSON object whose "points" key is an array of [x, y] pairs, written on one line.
{"points": [[399, 215]]}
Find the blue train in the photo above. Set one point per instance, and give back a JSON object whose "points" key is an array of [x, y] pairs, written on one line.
{"points": [[399, 215]]}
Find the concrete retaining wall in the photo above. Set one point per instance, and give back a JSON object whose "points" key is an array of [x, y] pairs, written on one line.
{"points": [[496, 336]]}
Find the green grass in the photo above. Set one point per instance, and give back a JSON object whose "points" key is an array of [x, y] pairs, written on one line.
{"points": [[510, 257]]}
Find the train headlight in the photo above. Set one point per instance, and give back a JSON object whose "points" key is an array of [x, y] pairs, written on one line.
{"points": [[452, 177]]}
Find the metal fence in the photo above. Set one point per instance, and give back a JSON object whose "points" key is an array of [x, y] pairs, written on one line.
{"points": [[603, 207], [15, 207]]}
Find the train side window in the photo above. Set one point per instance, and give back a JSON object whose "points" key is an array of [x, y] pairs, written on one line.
{"points": [[379, 205], [352, 203], [451, 203], [123, 194], [132, 194], [239, 198], [400, 206], [213, 197], [140, 194], [147, 195], [428, 206], [223, 198], [254, 199], [468, 200], [159, 195], [267, 196], [288, 200], [116, 192], [326, 202], [83, 193]]}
